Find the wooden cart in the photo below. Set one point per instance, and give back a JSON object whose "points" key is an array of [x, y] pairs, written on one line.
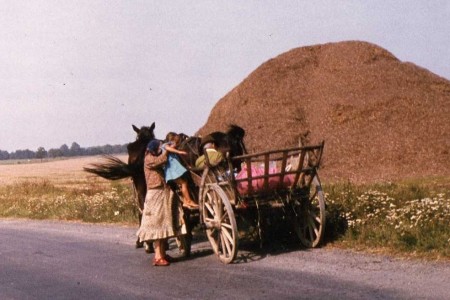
{"points": [[284, 180]]}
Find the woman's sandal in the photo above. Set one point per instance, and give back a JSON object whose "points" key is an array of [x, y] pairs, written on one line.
{"points": [[161, 262]]}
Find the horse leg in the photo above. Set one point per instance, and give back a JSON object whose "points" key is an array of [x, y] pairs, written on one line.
{"points": [[140, 202], [139, 244]]}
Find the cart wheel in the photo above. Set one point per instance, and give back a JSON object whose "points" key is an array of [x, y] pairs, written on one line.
{"points": [[309, 219], [220, 223]]}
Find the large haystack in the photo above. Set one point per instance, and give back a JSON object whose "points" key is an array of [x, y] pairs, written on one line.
{"points": [[380, 118]]}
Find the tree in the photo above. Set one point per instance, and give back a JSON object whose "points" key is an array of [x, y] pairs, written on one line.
{"points": [[41, 153], [23, 154], [107, 149], [4, 155], [64, 150], [54, 153], [75, 150]]}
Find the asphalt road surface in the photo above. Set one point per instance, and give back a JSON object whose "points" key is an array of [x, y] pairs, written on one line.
{"points": [[64, 260]]}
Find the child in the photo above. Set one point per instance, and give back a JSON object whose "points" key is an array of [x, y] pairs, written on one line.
{"points": [[209, 148], [174, 170]]}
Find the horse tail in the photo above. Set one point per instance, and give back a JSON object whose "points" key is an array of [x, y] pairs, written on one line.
{"points": [[112, 169]]}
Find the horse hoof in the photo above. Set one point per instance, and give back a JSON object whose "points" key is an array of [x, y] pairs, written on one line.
{"points": [[139, 244]]}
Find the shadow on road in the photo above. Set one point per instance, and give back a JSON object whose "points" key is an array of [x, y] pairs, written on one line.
{"points": [[250, 249]]}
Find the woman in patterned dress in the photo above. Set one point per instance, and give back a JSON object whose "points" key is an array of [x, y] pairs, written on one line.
{"points": [[160, 215]]}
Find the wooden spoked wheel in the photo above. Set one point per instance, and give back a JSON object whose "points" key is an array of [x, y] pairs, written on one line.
{"points": [[309, 215], [220, 223]]}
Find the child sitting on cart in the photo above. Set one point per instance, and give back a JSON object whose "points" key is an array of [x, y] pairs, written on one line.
{"points": [[174, 170], [209, 148]]}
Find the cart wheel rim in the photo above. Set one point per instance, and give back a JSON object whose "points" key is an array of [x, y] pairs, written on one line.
{"points": [[220, 222], [309, 219]]}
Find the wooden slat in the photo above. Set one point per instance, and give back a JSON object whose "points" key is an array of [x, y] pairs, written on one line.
{"points": [[299, 168], [248, 161], [283, 168], [266, 171]]}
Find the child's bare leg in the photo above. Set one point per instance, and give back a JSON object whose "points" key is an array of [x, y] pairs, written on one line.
{"points": [[185, 192]]}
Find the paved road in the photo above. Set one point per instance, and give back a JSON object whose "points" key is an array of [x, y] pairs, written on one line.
{"points": [[63, 260]]}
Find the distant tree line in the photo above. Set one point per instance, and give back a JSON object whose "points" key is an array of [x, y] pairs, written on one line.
{"points": [[63, 151]]}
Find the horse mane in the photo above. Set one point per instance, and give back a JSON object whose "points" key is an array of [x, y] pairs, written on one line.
{"points": [[236, 132]]}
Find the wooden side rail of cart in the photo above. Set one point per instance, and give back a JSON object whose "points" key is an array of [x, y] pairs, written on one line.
{"points": [[271, 171]]}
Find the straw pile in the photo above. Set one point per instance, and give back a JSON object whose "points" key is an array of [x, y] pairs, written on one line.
{"points": [[381, 119]]}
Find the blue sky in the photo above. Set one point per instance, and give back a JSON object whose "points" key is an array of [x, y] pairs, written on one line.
{"points": [[84, 71]]}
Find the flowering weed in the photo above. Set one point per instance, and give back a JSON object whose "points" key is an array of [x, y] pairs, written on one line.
{"points": [[403, 218], [43, 200]]}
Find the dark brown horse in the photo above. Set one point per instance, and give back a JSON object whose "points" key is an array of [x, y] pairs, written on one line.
{"points": [[114, 168]]}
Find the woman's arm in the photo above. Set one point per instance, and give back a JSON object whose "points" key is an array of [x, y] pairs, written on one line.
{"points": [[154, 162]]}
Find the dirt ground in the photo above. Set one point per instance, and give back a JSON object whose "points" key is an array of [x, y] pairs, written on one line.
{"points": [[381, 119]]}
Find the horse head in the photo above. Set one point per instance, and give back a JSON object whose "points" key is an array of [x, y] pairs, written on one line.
{"points": [[136, 149], [145, 132], [232, 142], [235, 136]]}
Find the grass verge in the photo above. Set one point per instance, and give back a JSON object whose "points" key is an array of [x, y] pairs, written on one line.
{"points": [[112, 202], [408, 218]]}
